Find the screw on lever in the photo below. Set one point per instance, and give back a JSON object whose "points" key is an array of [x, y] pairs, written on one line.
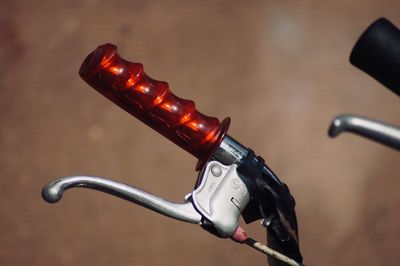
{"points": [[151, 101]]}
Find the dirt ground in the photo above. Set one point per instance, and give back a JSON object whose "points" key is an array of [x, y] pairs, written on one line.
{"points": [[279, 69]]}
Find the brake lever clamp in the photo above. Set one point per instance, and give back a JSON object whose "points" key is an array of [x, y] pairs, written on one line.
{"points": [[220, 197]]}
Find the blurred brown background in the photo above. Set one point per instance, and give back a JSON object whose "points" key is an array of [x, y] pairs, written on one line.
{"points": [[279, 69]]}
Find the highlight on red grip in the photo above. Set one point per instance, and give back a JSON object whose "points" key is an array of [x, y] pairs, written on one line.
{"points": [[151, 101]]}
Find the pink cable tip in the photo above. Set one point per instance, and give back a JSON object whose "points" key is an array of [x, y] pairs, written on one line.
{"points": [[240, 235]]}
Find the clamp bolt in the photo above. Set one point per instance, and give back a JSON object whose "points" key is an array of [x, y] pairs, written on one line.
{"points": [[216, 170]]}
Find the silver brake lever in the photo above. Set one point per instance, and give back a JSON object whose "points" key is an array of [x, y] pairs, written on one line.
{"points": [[53, 192], [216, 203], [386, 134]]}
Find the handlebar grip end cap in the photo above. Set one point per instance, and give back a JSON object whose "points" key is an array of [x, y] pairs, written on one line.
{"points": [[377, 52]]}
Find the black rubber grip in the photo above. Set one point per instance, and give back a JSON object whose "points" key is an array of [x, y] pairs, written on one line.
{"points": [[377, 52]]}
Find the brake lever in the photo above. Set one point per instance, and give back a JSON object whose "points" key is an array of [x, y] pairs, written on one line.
{"points": [[53, 192], [386, 134], [216, 203]]}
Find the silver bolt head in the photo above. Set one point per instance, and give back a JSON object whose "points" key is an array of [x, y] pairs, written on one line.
{"points": [[216, 170]]}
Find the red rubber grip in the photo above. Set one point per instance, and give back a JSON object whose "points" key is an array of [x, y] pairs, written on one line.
{"points": [[152, 102]]}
